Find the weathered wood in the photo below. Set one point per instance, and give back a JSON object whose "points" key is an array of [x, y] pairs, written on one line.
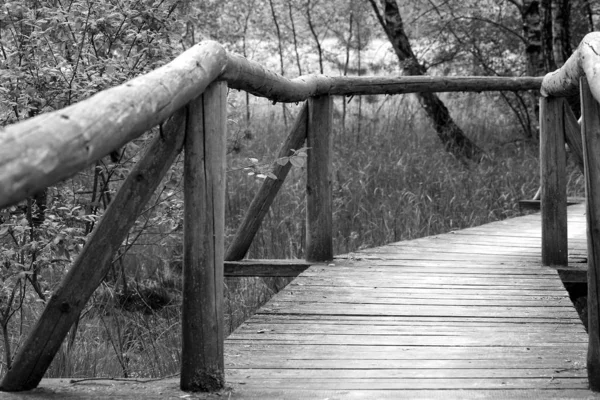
{"points": [[319, 203], [254, 78], [269, 189], [590, 129], [553, 182], [573, 135], [159, 389], [584, 61], [536, 204], [202, 367], [90, 268], [478, 324], [273, 268], [43, 150]]}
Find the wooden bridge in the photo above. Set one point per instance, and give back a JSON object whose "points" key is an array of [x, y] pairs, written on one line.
{"points": [[469, 314], [476, 313]]}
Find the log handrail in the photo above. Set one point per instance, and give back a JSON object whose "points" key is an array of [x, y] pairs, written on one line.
{"points": [[43, 150], [581, 73], [585, 61], [189, 91]]}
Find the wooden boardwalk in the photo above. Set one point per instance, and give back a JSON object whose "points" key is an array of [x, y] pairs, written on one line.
{"points": [[469, 314]]}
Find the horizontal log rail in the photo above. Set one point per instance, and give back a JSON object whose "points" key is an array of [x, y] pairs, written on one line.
{"points": [[581, 73], [189, 93], [48, 148]]}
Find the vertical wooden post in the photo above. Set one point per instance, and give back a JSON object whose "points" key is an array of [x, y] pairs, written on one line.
{"points": [[590, 131], [319, 204], [95, 260], [202, 366], [553, 181]]}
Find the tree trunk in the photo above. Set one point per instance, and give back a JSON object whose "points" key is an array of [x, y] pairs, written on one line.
{"points": [[561, 40], [450, 134], [532, 31], [295, 37], [346, 64], [314, 34], [546, 35], [279, 41]]}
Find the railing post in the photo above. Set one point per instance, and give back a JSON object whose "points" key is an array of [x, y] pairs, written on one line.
{"points": [[94, 262], [319, 228], [553, 182], [202, 366], [590, 131]]}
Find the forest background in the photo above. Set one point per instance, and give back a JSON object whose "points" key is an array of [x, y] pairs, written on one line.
{"points": [[404, 166]]}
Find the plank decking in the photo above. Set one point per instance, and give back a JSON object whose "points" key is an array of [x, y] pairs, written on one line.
{"points": [[468, 314]]}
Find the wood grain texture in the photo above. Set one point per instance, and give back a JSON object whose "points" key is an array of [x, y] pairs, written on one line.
{"points": [[583, 62], [573, 135], [412, 317], [43, 150], [273, 268], [553, 181], [202, 366], [252, 77], [319, 200], [264, 197], [496, 326], [591, 148], [92, 265]]}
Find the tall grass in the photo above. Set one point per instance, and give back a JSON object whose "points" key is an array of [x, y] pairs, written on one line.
{"points": [[392, 181]]}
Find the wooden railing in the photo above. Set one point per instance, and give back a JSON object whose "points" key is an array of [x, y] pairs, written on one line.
{"points": [[580, 74], [190, 95]]}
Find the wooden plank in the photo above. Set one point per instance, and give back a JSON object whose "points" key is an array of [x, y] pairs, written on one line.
{"points": [[536, 204], [264, 198], [43, 150], [553, 182], [569, 354], [499, 364], [319, 202], [573, 139], [273, 268], [591, 147], [58, 389], [415, 383], [407, 373], [423, 310], [91, 266], [202, 367]]}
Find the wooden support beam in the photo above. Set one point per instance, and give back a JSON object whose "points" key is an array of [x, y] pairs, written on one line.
{"points": [[202, 365], [45, 149], [319, 204], [536, 204], [573, 134], [590, 129], [254, 78], [269, 189], [264, 268], [90, 268], [553, 182]]}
